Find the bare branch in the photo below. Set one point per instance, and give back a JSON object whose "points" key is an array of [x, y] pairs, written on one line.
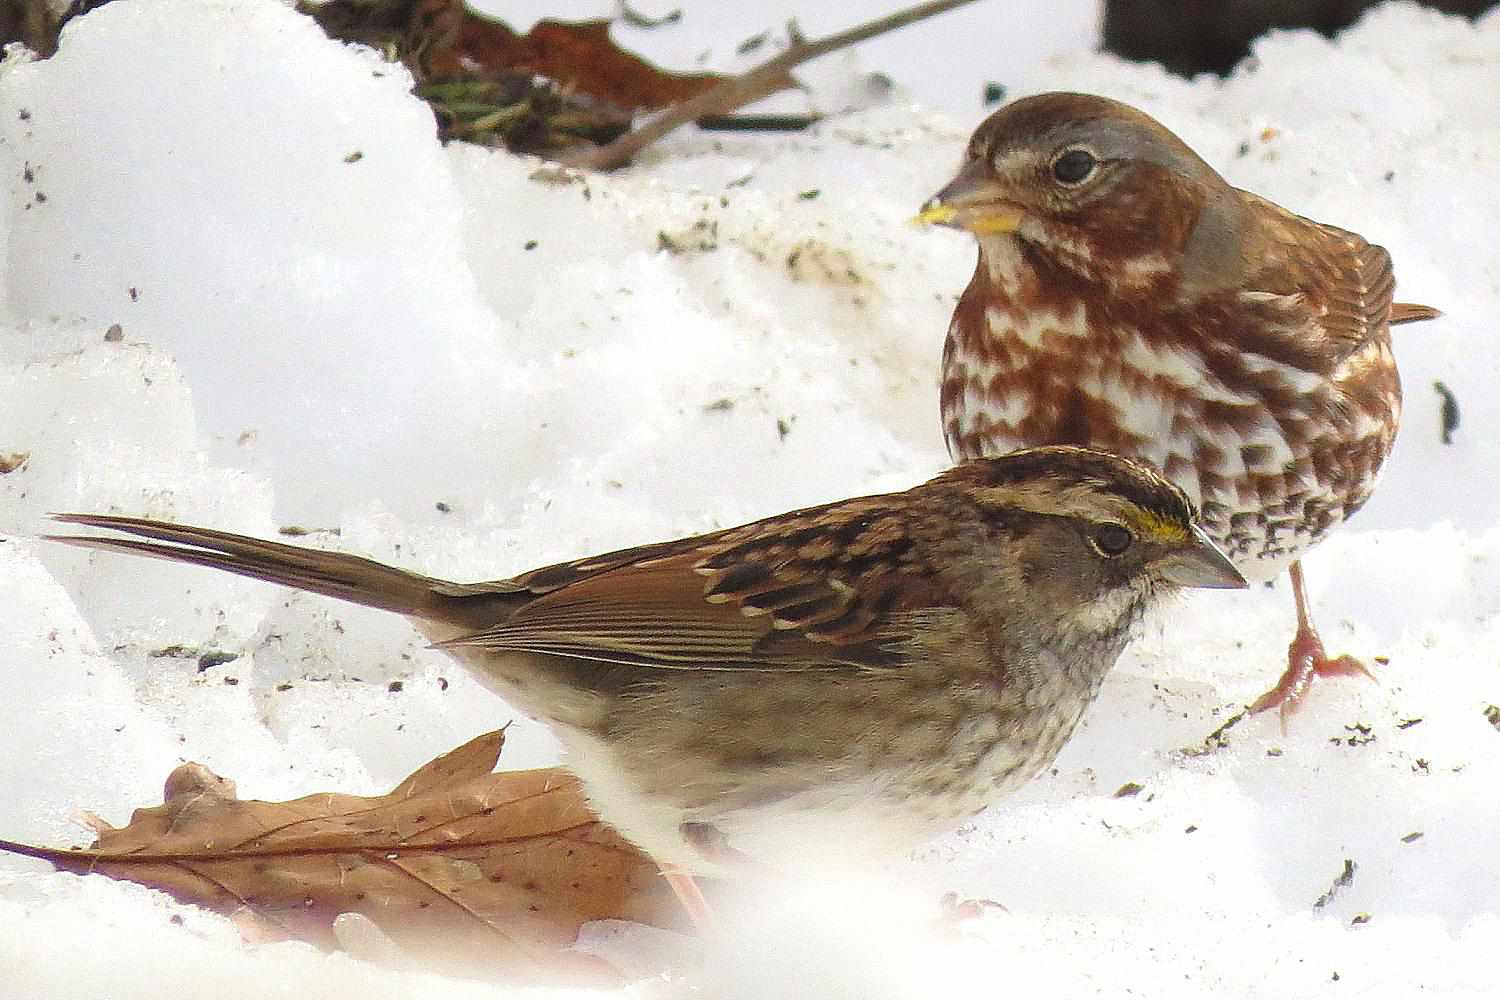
{"points": [[736, 92]]}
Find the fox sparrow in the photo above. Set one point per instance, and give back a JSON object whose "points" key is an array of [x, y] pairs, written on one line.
{"points": [[1128, 298], [865, 673]]}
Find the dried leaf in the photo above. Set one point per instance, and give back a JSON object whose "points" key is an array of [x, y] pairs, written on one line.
{"points": [[579, 55], [461, 868], [561, 85]]}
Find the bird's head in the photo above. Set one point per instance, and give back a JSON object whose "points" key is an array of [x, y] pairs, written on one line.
{"points": [[1094, 186], [1094, 537]]}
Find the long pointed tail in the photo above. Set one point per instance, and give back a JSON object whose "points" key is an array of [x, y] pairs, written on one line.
{"points": [[1410, 312], [332, 574]]}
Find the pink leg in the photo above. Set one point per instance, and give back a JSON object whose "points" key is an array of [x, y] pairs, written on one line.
{"points": [[691, 898], [711, 844], [1305, 660]]}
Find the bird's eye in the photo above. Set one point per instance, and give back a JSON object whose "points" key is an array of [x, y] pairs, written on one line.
{"points": [[1112, 539], [1074, 166]]}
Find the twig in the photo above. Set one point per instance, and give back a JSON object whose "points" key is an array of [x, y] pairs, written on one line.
{"points": [[738, 91], [757, 123]]}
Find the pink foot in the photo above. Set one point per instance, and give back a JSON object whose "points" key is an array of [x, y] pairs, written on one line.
{"points": [[956, 910], [1306, 660]]}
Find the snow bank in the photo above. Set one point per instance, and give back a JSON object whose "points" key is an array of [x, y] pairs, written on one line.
{"points": [[470, 370]]}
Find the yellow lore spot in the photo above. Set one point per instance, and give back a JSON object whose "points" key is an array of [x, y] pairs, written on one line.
{"points": [[1154, 527]]}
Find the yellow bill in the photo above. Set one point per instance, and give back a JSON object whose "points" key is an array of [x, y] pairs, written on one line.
{"points": [[935, 215], [982, 219]]}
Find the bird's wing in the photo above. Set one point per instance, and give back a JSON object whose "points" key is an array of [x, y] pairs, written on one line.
{"points": [[826, 587], [1345, 281]]}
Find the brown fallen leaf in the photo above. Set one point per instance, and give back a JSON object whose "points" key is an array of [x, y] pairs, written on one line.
{"points": [[578, 55], [446, 39], [465, 870], [560, 85]]}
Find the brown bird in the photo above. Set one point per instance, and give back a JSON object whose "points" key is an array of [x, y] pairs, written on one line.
{"points": [[852, 677], [1128, 298]]}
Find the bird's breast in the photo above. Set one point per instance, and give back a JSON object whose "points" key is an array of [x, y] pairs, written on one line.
{"points": [[1275, 455]]}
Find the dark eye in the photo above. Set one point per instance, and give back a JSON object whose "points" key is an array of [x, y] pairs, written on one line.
{"points": [[1074, 166], [1112, 539]]}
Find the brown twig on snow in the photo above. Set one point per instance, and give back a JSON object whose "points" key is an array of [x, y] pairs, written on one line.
{"points": [[738, 91]]}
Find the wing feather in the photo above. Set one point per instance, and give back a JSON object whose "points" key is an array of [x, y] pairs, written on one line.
{"points": [[745, 599], [1344, 281]]}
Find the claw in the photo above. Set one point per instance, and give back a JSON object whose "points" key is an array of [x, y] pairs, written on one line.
{"points": [[1306, 659]]}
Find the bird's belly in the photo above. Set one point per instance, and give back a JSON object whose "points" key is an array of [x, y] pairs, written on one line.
{"points": [[846, 809], [844, 824]]}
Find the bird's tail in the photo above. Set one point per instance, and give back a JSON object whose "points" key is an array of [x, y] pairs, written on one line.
{"points": [[1410, 312], [332, 574]]}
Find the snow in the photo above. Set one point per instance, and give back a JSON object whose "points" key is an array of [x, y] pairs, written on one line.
{"points": [[694, 342]]}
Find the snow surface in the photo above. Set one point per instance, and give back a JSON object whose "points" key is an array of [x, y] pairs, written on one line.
{"points": [[334, 344]]}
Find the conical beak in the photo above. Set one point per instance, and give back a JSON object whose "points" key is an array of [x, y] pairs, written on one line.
{"points": [[972, 201], [1199, 564]]}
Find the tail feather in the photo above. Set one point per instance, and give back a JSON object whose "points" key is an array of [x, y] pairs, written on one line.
{"points": [[1410, 312], [332, 574]]}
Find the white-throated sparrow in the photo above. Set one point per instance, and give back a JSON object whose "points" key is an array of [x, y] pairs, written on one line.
{"points": [[862, 674]]}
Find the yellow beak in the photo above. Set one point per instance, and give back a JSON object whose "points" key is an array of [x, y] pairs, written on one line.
{"points": [[974, 202]]}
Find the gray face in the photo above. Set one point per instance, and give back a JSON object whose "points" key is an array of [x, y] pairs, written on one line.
{"points": [[1102, 573]]}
